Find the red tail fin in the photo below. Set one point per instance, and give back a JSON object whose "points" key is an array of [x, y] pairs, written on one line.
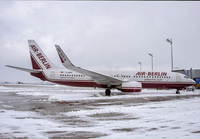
{"points": [[38, 58]]}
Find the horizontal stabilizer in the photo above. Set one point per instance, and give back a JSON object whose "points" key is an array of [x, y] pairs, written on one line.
{"points": [[25, 69]]}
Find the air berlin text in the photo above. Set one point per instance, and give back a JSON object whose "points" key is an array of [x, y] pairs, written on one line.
{"points": [[41, 57], [151, 74]]}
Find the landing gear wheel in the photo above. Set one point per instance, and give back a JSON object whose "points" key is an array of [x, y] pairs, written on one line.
{"points": [[107, 92], [177, 91]]}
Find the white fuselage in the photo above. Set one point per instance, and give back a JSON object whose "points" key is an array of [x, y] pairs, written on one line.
{"points": [[148, 79]]}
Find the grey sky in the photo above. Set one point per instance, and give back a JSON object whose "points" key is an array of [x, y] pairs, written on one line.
{"points": [[99, 34]]}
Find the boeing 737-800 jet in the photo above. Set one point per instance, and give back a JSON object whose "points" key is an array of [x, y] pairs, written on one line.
{"points": [[126, 81]]}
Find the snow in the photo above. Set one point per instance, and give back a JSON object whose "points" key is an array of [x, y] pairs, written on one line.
{"points": [[63, 93], [177, 118], [19, 124], [155, 120]]}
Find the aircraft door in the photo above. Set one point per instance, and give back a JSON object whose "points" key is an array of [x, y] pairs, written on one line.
{"points": [[177, 77], [53, 74]]}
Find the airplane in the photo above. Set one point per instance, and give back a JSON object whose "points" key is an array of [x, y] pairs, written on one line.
{"points": [[125, 81]]}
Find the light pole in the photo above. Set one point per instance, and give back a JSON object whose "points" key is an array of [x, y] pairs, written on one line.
{"points": [[140, 65], [170, 41], [151, 61]]}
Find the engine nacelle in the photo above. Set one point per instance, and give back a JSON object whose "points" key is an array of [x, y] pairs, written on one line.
{"points": [[131, 86]]}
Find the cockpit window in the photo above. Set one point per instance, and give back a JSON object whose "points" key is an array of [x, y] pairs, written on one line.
{"points": [[185, 76]]}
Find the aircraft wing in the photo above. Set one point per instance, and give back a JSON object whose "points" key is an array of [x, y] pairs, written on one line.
{"points": [[98, 77], [25, 69]]}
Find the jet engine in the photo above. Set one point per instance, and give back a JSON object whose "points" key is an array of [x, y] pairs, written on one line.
{"points": [[131, 86]]}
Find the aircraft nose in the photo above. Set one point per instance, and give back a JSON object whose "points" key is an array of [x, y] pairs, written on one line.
{"points": [[192, 81]]}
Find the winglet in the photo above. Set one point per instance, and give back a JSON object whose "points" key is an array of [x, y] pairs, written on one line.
{"points": [[64, 59], [98, 77]]}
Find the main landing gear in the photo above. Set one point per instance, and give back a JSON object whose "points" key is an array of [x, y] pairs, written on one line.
{"points": [[107, 92], [177, 91]]}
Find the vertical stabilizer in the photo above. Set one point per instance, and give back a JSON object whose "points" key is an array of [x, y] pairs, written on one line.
{"points": [[38, 58]]}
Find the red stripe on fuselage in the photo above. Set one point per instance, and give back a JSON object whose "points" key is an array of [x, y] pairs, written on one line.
{"points": [[172, 85], [78, 83]]}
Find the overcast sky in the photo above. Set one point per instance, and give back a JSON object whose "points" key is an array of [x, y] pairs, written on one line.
{"points": [[101, 35]]}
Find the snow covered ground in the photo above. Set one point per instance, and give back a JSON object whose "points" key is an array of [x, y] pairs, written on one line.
{"points": [[59, 111]]}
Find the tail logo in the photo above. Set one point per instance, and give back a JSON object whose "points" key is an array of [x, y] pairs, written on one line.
{"points": [[40, 57], [61, 55]]}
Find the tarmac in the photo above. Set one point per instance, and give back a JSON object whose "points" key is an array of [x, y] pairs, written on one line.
{"points": [[98, 116]]}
